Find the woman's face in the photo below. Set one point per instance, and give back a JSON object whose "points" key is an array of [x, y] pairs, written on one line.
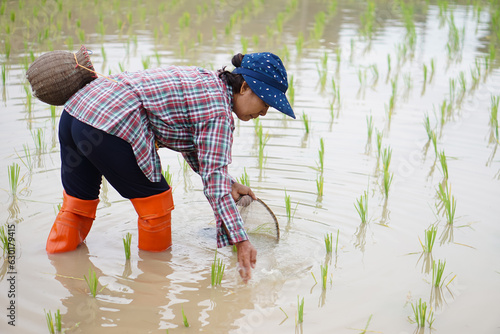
{"points": [[247, 105]]}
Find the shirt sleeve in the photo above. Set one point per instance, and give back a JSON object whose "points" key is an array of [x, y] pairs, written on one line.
{"points": [[213, 140]]}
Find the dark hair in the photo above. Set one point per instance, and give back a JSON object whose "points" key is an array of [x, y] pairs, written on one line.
{"points": [[234, 80]]}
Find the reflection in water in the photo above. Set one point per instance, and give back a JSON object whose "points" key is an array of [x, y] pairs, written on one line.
{"points": [[447, 235], [427, 262], [360, 235], [386, 213]]}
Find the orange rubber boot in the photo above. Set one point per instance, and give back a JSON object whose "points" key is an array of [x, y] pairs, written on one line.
{"points": [[73, 223], [154, 223]]}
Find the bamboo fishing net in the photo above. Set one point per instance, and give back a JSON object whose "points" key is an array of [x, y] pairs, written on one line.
{"points": [[55, 76], [257, 217]]}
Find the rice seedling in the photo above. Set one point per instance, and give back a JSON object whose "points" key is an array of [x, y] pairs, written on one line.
{"points": [[369, 125], [127, 239], [319, 184], [300, 310], [420, 313], [450, 206], [146, 62], [429, 238], [321, 155], [361, 206], [388, 64], [387, 182], [13, 173], [299, 43], [217, 270], [29, 98], [244, 44], [305, 121], [4, 74], [168, 175], [184, 318], [328, 243], [434, 142], [54, 323], [291, 91], [379, 143], [324, 275], [494, 109], [4, 239], [244, 179], [263, 139], [39, 138], [386, 158], [368, 20], [437, 273], [427, 125], [319, 26], [92, 282], [288, 206], [444, 164]]}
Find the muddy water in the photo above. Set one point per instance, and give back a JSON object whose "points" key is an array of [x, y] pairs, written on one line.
{"points": [[378, 269]]}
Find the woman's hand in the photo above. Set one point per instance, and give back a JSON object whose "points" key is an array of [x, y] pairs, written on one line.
{"points": [[247, 258], [238, 190]]}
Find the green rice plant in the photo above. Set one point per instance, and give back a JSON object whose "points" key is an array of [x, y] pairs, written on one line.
{"points": [[444, 164], [369, 125], [263, 139], [420, 313], [463, 82], [361, 206], [81, 35], [319, 26], [92, 282], [13, 173], [427, 125], [29, 98], [146, 62], [387, 182], [300, 310], [437, 273], [54, 323], [319, 184], [328, 243], [291, 91], [434, 142], [288, 206], [127, 239], [168, 175], [388, 64], [429, 238], [4, 74], [386, 158], [184, 318], [244, 44], [299, 43], [244, 179], [305, 120], [321, 155], [217, 270], [494, 109], [324, 275], [379, 142], [39, 138], [4, 239], [450, 206], [425, 73]]}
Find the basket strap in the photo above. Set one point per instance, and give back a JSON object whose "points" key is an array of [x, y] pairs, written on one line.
{"points": [[88, 69]]}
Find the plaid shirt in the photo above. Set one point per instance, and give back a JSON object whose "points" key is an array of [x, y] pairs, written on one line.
{"points": [[187, 109]]}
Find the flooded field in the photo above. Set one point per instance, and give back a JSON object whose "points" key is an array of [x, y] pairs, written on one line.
{"points": [[393, 158]]}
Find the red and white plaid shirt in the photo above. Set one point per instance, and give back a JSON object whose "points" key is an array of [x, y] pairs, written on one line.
{"points": [[187, 109]]}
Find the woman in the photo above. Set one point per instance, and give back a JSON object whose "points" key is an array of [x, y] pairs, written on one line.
{"points": [[110, 128]]}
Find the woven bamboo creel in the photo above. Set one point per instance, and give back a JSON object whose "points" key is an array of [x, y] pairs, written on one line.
{"points": [[55, 76]]}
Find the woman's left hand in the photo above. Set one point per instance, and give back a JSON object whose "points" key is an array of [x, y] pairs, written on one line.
{"points": [[238, 190]]}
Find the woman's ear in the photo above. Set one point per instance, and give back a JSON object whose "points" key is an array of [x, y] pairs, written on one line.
{"points": [[244, 87]]}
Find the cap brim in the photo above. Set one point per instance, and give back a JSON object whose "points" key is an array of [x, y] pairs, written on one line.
{"points": [[270, 95]]}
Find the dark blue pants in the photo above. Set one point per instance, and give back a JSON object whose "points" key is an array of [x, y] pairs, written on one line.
{"points": [[87, 154]]}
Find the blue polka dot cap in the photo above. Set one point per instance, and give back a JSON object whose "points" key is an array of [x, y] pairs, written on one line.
{"points": [[265, 74]]}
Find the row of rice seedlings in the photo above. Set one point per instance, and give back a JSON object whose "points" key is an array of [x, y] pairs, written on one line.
{"points": [[127, 240], [421, 315], [217, 270], [361, 206], [54, 322]]}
